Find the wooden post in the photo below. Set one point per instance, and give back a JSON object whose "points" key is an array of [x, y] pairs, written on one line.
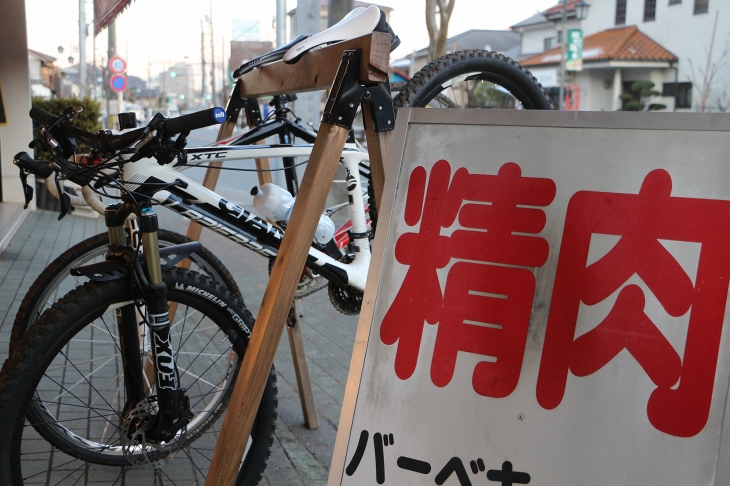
{"points": [[209, 181], [275, 307], [316, 70], [378, 149], [296, 343]]}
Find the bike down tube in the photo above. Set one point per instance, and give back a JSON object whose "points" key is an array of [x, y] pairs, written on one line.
{"points": [[204, 206]]}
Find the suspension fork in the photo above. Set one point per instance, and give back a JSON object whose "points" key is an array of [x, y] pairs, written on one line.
{"points": [[115, 216], [174, 406]]}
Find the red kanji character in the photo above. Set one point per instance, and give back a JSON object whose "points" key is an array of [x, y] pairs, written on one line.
{"points": [[680, 405], [420, 299], [486, 311]]}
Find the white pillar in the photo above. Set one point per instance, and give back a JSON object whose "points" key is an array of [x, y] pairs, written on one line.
{"points": [[617, 83], [15, 78]]}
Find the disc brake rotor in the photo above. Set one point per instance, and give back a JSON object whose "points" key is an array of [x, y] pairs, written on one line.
{"points": [[137, 449]]}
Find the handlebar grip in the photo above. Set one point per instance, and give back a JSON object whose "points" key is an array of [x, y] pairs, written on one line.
{"points": [[193, 121], [42, 116]]}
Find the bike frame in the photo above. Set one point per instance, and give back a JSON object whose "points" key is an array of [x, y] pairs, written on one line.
{"points": [[196, 203]]}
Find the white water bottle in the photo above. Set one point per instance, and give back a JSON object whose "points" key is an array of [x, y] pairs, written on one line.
{"points": [[273, 202], [276, 203]]}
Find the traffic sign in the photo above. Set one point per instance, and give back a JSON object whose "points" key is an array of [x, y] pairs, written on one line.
{"points": [[117, 65], [118, 83]]}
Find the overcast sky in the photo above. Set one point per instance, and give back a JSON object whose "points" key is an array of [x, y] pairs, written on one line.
{"points": [[162, 32]]}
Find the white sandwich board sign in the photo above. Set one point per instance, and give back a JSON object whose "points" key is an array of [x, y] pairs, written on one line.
{"points": [[547, 304]]}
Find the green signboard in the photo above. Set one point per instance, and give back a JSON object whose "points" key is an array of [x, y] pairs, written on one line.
{"points": [[574, 53]]}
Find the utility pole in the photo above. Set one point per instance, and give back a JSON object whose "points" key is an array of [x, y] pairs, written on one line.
{"points": [[337, 11], [225, 71], [563, 43], [280, 23], [111, 52], [213, 94], [202, 60], [94, 72], [82, 81]]}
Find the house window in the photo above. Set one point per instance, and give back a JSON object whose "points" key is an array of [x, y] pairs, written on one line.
{"points": [[701, 6], [560, 37], [649, 10], [620, 12], [681, 92], [675, 2], [548, 43]]}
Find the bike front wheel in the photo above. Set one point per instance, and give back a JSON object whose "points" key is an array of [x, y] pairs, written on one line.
{"points": [[62, 391], [56, 280]]}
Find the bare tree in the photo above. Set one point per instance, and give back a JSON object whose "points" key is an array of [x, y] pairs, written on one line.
{"points": [[707, 76], [337, 11], [438, 14]]}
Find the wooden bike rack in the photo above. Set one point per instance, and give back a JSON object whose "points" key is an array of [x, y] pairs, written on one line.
{"points": [[357, 72]]}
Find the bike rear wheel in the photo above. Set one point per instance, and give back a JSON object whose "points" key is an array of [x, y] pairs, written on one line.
{"points": [[62, 390], [473, 79], [468, 79]]}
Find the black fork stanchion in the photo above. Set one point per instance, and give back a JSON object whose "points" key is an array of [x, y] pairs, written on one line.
{"points": [[127, 325], [174, 406]]}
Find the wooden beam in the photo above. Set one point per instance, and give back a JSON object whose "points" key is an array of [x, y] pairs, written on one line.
{"points": [[378, 149], [275, 306], [304, 383], [316, 69], [209, 181]]}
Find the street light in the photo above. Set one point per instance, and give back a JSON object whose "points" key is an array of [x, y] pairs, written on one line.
{"points": [[581, 12]]}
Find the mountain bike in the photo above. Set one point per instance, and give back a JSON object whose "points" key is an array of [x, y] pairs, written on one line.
{"points": [[88, 399]]}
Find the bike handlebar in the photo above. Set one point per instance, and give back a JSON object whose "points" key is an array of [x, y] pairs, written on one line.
{"points": [[113, 143]]}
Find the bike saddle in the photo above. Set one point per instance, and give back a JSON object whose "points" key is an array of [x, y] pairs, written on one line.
{"points": [[267, 58], [360, 21]]}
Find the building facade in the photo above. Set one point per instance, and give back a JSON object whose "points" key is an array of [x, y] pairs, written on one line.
{"points": [[682, 46]]}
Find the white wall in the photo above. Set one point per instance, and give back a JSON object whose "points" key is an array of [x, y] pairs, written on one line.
{"points": [[678, 30], [596, 90], [15, 83], [533, 36]]}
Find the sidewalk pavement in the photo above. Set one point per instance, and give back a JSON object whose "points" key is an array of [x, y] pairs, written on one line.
{"points": [[299, 456]]}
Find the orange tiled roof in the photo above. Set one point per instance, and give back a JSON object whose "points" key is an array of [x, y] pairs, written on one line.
{"points": [[621, 44], [570, 7]]}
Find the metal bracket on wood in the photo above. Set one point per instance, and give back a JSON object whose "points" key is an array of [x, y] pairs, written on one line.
{"points": [[382, 106], [253, 112], [348, 92]]}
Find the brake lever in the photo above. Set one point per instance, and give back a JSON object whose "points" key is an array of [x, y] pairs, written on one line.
{"points": [[65, 200], [27, 189]]}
